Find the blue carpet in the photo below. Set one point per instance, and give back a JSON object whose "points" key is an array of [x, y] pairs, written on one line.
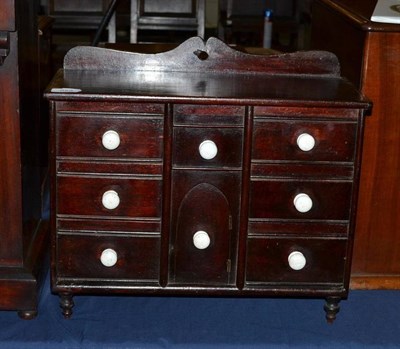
{"points": [[368, 319]]}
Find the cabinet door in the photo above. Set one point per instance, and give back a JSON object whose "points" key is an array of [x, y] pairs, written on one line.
{"points": [[205, 221]]}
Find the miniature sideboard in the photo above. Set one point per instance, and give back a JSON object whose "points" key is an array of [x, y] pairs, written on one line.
{"points": [[203, 171]]}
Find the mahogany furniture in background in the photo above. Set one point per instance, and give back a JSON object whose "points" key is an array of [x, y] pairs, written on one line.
{"points": [[46, 72], [369, 54], [22, 233], [203, 171]]}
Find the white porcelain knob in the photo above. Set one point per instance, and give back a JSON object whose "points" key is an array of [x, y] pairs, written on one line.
{"points": [[208, 150], [111, 140], [305, 142], [296, 260], [108, 257], [303, 203], [201, 240], [110, 199]]}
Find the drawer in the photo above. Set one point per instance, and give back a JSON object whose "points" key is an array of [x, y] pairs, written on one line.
{"points": [[109, 135], [297, 228], [109, 196], [296, 199], [208, 147], [95, 106], [305, 170], [209, 115], [108, 257], [109, 226], [105, 167], [280, 260], [293, 140]]}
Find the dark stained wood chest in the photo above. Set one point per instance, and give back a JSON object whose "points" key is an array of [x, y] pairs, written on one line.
{"points": [[203, 171]]}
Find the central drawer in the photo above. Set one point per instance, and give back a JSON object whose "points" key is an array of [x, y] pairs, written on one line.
{"points": [[207, 147], [209, 115], [207, 136]]}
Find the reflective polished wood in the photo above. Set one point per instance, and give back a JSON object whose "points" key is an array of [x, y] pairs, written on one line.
{"points": [[369, 54], [203, 171]]}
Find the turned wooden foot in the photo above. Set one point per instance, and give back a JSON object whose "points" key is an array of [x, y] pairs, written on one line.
{"points": [[331, 308], [27, 314], [66, 305]]}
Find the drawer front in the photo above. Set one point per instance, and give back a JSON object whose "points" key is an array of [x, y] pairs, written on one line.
{"points": [[135, 258], [269, 260], [109, 226], [298, 228], [276, 199], [282, 140], [209, 115], [208, 147], [87, 196], [87, 135], [105, 168]]}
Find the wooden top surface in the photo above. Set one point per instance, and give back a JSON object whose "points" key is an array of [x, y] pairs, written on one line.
{"points": [[359, 12], [208, 72]]}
